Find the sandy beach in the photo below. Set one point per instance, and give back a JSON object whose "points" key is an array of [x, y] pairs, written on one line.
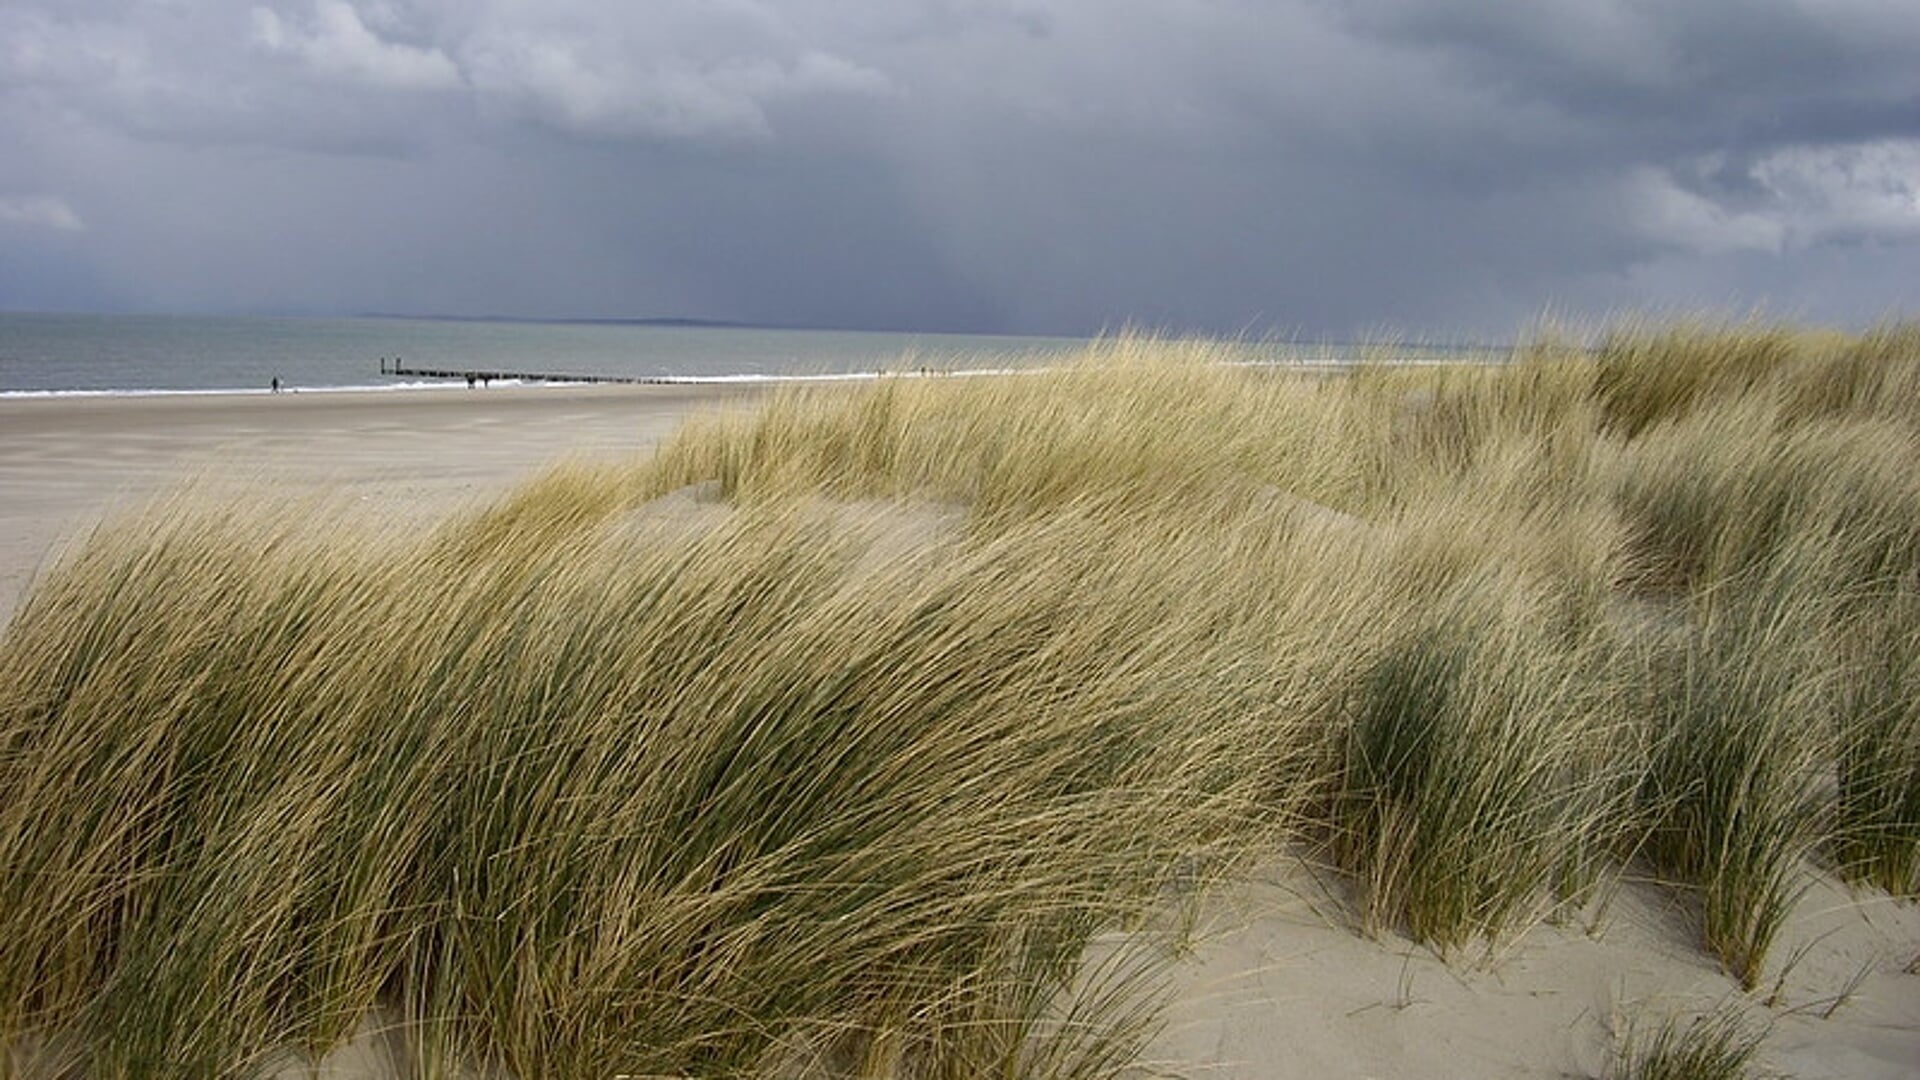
{"points": [[67, 462], [1276, 983]]}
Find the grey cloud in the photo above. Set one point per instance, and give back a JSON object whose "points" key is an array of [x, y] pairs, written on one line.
{"points": [[195, 75], [40, 211], [1311, 165], [232, 71], [1676, 76], [592, 89]]}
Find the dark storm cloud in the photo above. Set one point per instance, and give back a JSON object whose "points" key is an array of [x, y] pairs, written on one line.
{"points": [[1308, 165], [1710, 74]]}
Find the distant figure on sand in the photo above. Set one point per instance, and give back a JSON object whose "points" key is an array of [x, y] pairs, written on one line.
{"points": [[276, 384]]}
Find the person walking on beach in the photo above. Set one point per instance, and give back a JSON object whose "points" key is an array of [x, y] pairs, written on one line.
{"points": [[276, 384]]}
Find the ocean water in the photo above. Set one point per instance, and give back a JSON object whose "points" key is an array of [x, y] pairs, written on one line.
{"points": [[134, 354]]}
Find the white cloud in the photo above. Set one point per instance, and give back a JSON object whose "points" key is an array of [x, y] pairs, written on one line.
{"points": [[1793, 198], [1675, 216], [336, 42], [1846, 192], [40, 211]]}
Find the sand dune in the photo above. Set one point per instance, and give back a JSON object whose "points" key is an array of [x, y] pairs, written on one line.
{"points": [[1277, 983]]}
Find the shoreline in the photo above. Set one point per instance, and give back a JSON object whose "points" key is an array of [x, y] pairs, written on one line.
{"points": [[668, 381]]}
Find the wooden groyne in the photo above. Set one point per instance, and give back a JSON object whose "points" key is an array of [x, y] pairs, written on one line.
{"points": [[483, 376]]}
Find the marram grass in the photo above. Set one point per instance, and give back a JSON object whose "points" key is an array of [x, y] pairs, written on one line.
{"points": [[1718, 1045], [827, 741]]}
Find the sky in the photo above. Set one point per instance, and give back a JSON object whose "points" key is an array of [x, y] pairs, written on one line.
{"points": [[1313, 168]]}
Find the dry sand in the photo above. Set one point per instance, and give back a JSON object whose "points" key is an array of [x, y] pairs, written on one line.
{"points": [[1277, 984], [67, 462]]}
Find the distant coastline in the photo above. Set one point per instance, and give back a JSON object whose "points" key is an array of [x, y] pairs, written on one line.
{"points": [[669, 322]]}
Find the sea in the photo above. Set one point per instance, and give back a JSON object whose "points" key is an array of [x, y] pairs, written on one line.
{"points": [[70, 354], [45, 354]]}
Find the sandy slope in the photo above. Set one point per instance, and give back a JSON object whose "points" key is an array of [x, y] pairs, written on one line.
{"points": [[1280, 985]]}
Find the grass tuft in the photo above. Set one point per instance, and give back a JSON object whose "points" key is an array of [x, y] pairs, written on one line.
{"points": [[1716, 1046]]}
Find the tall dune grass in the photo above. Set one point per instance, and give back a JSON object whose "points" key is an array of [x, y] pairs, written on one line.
{"points": [[1878, 774], [826, 741], [1743, 735]]}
